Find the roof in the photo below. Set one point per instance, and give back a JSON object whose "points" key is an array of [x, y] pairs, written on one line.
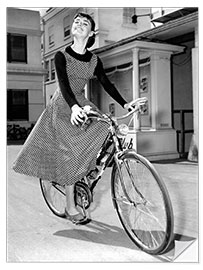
{"points": [[180, 26]]}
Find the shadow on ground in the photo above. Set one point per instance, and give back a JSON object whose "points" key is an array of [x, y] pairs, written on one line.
{"points": [[100, 233]]}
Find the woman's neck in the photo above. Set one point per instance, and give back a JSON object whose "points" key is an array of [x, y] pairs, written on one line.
{"points": [[79, 47]]}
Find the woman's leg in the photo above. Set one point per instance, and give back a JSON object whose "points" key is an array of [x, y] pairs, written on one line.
{"points": [[70, 203]]}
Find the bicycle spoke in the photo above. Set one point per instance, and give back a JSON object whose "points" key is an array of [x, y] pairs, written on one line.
{"points": [[151, 234], [143, 233], [151, 215], [58, 188], [131, 178], [123, 201]]}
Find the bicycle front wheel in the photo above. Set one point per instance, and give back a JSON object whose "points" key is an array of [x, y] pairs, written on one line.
{"points": [[54, 196], [142, 203]]}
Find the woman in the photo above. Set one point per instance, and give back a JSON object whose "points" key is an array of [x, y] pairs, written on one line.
{"points": [[57, 149]]}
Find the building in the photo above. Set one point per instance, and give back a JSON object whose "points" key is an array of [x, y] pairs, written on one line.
{"points": [[160, 63], [25, 72]]}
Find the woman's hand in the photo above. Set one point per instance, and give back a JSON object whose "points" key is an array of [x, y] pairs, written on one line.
{"points": [[128, 107], [77, 115], [139, 103]]}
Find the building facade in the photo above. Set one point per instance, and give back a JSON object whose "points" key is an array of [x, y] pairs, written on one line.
{"points": [[141, 60], [24, 67]]}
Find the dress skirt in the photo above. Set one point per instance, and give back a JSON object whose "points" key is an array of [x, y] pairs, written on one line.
{"points": [[58, 151]]}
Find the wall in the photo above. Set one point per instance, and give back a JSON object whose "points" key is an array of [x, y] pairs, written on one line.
{"points": [[111, 23], [182, 78], [23, 18]]}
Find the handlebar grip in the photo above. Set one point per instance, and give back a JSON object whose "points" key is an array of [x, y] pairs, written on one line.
{"points": [[137, 101]]}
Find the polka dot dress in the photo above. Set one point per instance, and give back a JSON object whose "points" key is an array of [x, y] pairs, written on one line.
{"points": [[55, 149]]}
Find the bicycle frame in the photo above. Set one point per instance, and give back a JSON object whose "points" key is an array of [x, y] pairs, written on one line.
{"points": [[113, 139]]}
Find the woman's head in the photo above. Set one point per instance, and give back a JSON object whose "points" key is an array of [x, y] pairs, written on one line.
{"points": [[88, 17], [88, 22]]}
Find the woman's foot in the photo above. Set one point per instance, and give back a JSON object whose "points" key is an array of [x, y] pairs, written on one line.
{"points": [[76, 218], [71, 211]]}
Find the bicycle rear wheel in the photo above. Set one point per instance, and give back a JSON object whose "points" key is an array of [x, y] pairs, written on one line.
{"points": [[142, 203], [55, 197]]}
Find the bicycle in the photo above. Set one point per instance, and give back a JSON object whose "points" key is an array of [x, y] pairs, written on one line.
{"points": [[16, 132], [139, 195]]}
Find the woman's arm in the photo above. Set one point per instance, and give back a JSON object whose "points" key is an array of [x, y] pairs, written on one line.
{"points": [[108, 86], [60, 65]]}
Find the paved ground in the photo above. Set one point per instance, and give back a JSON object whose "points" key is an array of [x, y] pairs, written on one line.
{"points": [[34, 234]]}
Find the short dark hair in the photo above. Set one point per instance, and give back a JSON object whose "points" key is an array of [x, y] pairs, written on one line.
{"points": [[91, 39]]}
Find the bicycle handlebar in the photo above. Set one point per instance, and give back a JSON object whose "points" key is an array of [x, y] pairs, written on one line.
{"points": [[135, 106]]}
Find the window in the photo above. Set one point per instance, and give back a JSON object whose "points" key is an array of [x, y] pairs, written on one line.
{"points": [[16, 48], [46, 66], [66, 25], [51, 35], [17, 104], [52, 70], [128, 12]]}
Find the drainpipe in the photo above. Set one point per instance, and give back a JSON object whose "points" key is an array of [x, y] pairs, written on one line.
{"points": [[44, 86]]}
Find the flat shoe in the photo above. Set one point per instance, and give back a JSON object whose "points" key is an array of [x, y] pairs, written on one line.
{"points": [[77, 218]]}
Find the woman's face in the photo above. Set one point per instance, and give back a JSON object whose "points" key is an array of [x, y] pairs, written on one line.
{"points": [[81, 27]]}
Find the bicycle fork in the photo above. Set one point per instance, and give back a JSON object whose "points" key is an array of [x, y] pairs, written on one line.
{"points": [[119, 162]]}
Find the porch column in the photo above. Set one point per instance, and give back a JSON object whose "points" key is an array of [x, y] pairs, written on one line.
{"points": [[193, 151], [161, 90], [135, 83]]}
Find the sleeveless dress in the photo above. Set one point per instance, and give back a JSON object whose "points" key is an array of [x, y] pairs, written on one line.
{"points": [[56, 150]]}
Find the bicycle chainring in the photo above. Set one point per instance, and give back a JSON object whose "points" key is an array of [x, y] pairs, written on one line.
{"points": [[82, 195]]}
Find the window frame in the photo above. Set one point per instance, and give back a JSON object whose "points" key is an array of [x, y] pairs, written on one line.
{"points": [[11, 110], [46, 66], [66, 26], [52, 67], [10, 57], [51, 36]]}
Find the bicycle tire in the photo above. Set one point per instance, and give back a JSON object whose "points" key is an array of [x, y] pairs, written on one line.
{"points": [[135, 203], [54, 196]]}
